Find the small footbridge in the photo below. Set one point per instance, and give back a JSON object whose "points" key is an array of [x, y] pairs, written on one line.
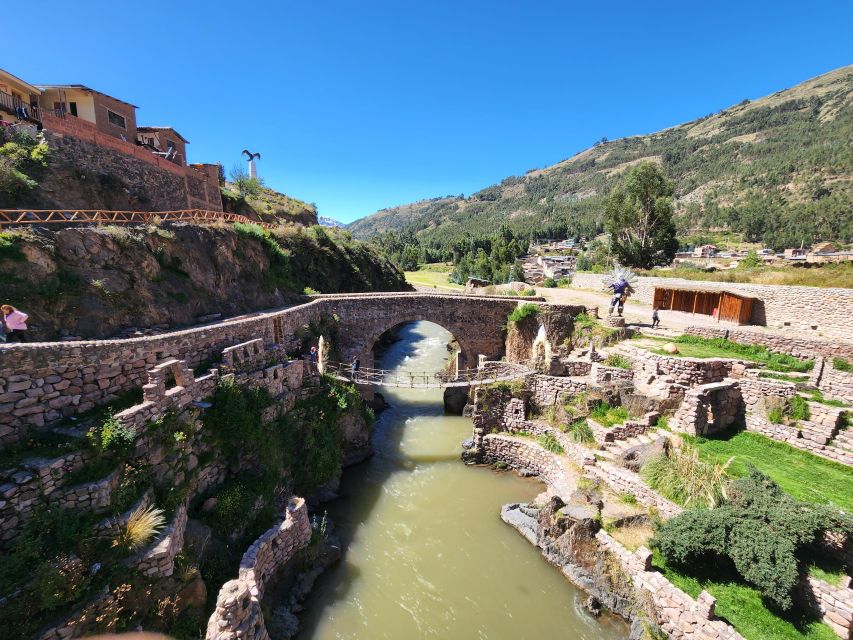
{"points": [[490, 373]]}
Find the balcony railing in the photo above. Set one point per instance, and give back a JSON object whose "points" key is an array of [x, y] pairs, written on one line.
{"points": [[11, 104]]}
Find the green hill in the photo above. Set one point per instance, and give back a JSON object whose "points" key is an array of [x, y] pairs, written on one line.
{"points": [[778, 169]]}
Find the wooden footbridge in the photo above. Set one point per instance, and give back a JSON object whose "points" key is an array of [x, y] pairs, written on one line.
{"points": [[492, 372]]}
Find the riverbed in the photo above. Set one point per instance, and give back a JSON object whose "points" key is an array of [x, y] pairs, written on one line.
{"points": [[426, 554]]}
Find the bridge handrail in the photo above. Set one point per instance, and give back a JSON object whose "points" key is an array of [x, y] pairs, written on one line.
{"points": [[9, 217], [491, 372]]}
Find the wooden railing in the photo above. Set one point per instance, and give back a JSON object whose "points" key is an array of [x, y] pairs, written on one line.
{"points": [[9, 217], [492, 372]]}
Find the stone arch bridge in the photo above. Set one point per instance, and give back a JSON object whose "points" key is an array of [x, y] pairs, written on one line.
{"points": [[44, 383]]}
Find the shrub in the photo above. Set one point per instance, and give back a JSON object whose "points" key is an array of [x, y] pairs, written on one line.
{"points": [[617, 360], [580, 431], [549, 283], [527, 310], [308, 291], [683, 477], [550, 443], [776, 415], [842, 365], [563, 283], [142, 526], [527, 293], [112, 435], [760, 529], [798, 408]]}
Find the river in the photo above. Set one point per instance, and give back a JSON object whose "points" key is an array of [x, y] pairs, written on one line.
{"points": [[425, 552]]}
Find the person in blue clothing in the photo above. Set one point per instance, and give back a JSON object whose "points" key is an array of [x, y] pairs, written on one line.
{"points": [[620, 293]]}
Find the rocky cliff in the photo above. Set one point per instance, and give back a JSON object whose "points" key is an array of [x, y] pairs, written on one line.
{"points": [[97, 282]]}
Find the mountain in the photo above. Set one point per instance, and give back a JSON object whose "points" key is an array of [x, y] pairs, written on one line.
{"points": [[323, 221], [777, 169]]}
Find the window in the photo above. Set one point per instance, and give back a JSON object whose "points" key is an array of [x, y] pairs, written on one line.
{"points": [[116, 119], [72, 106], [171, 143]]}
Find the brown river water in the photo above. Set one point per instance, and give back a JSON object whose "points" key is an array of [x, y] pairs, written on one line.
{"points": [[426, 554]]}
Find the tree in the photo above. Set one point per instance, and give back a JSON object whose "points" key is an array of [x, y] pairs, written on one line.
{"points": [[246, 186], [638, 215]]}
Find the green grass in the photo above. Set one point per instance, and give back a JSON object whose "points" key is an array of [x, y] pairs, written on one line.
{"points": [[815, 395], [550, 443], [697, 347], [801, 474], [617, 360], [782, 376], [608, 416], [742, 607], [527, 310], [842, 365], [437, 279], [831, 576]]}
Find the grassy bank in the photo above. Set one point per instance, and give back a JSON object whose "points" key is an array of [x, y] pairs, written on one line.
{"points": [[743, 607], [696, 347], [803, 475], [829, 275]]}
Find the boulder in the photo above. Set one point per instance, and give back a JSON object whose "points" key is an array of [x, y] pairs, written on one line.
{"points": [[670, 347]]}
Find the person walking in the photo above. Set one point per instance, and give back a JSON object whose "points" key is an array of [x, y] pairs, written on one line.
{"points": [[655, 318], [16, 323]]}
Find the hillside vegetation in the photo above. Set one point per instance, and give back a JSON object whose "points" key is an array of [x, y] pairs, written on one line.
{"points": [[779, 170], [94, 282], [268, 205]]}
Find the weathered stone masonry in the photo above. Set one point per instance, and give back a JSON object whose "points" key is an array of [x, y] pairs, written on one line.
{"points": [[822, 311]]}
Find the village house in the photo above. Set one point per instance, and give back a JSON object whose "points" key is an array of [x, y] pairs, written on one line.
{"points": [[164, 141], [18, 98], [704, 251], [112, 116]]}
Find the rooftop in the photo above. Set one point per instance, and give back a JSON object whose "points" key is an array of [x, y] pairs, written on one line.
{"points": [[83, 87], [152, 129]]}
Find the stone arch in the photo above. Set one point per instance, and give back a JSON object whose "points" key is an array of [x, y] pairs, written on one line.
{"points": [[478, 324], [361, 345]]}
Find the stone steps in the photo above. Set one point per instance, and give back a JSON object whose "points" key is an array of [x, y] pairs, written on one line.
{"points": [[843, 440]]}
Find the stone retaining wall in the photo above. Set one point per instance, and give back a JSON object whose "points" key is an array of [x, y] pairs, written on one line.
{"points": [[810, 310], [834, 604], [836, 384], [545, 391], [158, 560], [669, 376], [788, 342], [43, 383], [238, 607], [678, 615], [709, 408]]}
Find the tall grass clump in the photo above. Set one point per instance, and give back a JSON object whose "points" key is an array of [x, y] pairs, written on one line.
{"points": [[617, 360], [550, 443], [579, 431], [527, 310], [142, 526], [841, 364], [683, 477]]}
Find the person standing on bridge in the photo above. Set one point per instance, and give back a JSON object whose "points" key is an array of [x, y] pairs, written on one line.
{"points": [[15, 321], [356, 365]]}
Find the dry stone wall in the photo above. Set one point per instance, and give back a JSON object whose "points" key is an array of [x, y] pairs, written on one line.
{"points": [[678, 615], [809, 310], [238, 607], [43, 383]]}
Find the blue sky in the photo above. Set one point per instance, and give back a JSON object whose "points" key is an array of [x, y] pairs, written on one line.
{"points": [[362, 105]]}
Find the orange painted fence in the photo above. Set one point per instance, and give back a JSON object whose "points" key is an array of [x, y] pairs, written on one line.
{"points": [[9, 217]]}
